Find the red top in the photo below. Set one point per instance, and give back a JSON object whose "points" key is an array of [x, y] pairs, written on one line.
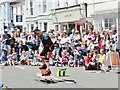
{"points": [[87, 60], [101, 46]]}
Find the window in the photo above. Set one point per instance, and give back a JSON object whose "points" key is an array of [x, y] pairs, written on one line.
{"points": [[21, 10], [109, 22], [98, 24], [31, 8], [45, 26], [76, 2], [39, 6], [44, 6], [58, 3], [40, 25], [66, 3], [32, 27]]}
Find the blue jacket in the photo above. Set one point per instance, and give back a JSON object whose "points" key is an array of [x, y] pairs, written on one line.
{"points": [[3, 58]]}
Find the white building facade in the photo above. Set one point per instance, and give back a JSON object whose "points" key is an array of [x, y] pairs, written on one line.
{"points": [[19, 14], [106, 14], [38, 14], [5, 15]]}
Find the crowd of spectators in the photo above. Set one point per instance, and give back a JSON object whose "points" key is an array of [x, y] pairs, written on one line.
{"points": [[74, 50]]}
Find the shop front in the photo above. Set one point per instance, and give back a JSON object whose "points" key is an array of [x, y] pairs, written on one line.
{"points": [[67, 18]]}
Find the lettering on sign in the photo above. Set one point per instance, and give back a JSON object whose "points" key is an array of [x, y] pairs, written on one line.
{"points": [[68, 15]]}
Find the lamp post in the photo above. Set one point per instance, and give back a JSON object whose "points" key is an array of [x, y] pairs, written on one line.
{"points": [[85, 6]]}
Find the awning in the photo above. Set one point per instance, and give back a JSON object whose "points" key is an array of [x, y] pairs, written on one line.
{"points": [[80, 23]]}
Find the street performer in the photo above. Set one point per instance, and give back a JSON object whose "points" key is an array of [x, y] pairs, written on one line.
{"points": [[46, 52]]}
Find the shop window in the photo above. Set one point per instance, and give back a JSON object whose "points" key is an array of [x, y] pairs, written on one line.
{"points": [[71, 26], [56, 28]]}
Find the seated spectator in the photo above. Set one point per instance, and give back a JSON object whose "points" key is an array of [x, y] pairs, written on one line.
{"points": [[36, 60], [14, 55], [80, 56], [23, 58], [71, 61], [90, 64], [102, 61], [30, 57], [76, 59], [58, 61], [11, 62], [3, 59], [64, 60]]}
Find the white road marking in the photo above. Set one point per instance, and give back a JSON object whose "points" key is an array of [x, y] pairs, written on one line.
{"points": [[20, 67]]}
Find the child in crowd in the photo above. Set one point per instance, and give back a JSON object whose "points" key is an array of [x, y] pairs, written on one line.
{"points": [[3, 59], [14, 56], [36, 60], [58, 61], [87, 61], [23, 58], [10, 60], [71, 61], [30, 57], [76, 59], [64, 60], [4, 47]]}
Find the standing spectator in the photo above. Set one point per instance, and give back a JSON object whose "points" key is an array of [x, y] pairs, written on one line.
{"points": [[5, 35], [72, 35], [101, 42], [77, 36], [12, 42]]}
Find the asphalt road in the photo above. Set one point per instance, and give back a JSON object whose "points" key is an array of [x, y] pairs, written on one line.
{"points": [[24, 77]]}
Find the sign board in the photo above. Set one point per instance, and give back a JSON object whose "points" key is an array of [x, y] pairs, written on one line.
{"points": [[67, 15], [18, 18], [114, 57]]}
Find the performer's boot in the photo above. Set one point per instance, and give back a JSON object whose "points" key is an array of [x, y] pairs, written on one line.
{"points": [[48, 72]]}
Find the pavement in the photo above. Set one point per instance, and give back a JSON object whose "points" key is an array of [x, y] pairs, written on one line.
{"points": [[25, 77]]}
